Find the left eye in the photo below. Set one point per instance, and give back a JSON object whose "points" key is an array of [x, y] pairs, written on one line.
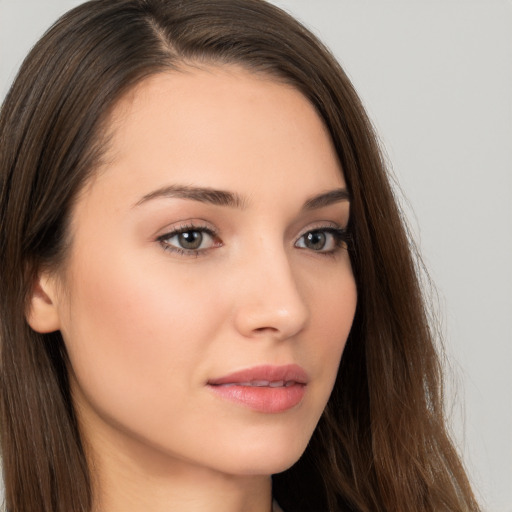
{"points": [[188, 240], [321, 240]]}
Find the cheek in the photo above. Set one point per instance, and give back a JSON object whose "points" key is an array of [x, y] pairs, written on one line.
{"points": [[332, 299], [136, 334], [335, 312], [332, 312]]}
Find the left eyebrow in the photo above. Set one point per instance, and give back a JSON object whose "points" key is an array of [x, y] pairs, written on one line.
{"points": [[327, 198]]}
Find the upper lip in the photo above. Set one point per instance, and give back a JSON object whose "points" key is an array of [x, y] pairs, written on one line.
{"points": [[263, 373]]}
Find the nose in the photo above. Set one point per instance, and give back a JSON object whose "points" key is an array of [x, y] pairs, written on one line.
{"points": [[268, 297]]}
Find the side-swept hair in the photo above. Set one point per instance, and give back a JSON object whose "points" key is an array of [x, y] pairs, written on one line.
{"points": [[381, 444]]}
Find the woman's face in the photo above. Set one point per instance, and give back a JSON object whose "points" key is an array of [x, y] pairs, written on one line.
{"points": [[210, 243]]}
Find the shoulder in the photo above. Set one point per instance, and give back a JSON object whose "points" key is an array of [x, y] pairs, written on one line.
{"points": [[276, 507]]}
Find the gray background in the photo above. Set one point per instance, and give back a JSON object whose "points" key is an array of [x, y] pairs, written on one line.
{"points": [[436, 77]]}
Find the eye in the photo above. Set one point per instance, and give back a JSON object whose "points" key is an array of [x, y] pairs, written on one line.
{"points": [[325, 240], [189, 240]]}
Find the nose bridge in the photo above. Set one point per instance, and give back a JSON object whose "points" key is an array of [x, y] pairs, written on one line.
{"points": [[269, 298]]}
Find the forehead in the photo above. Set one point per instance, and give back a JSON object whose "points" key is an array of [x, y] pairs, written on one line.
{"points": [[221, 124]]}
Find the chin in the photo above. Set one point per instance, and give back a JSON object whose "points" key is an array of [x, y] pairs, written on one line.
{"points": [[274, 455], [263, 446]]}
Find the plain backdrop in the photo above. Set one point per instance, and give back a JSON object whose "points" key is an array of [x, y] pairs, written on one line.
{"points": [[436, 78]]}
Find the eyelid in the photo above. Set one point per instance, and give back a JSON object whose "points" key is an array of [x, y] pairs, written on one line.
{"points": [[327, 225], [181, 226], [319, 225]]}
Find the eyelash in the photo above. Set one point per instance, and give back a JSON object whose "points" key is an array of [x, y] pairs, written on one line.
{"points": [[341, 237]]}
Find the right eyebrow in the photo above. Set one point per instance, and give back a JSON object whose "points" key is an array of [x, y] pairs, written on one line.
{"points": [[201, 194]]}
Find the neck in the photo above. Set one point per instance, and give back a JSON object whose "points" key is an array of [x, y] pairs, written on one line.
{"points": [[126, 480], [185, 491]]}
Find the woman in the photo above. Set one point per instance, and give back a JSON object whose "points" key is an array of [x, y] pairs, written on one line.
{"points": [[205, 277]]}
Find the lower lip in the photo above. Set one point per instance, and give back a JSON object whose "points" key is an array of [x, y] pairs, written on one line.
{"points": [[262, 399]]}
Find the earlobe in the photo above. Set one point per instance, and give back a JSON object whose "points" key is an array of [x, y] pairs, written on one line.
{"points": [[42, 314]]}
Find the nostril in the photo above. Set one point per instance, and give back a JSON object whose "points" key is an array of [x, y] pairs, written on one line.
{"points": [[264, 329]]}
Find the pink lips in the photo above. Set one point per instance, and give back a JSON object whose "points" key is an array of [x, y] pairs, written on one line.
{"points": [[268, 389]]}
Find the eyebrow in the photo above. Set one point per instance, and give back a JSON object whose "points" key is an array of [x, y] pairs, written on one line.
{"points": [[234, 200], [201, 194], [327, 198]]}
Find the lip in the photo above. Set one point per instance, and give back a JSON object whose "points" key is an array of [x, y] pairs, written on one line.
{"points": [[266, 388]]}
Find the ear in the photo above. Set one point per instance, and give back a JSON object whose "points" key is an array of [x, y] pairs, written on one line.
{"points": [[42, 314]]}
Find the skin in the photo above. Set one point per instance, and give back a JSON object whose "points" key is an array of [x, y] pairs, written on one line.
{"points": [[146, 327]]}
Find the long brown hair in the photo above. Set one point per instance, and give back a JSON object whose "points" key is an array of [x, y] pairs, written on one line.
{"points": [[381, 444]]}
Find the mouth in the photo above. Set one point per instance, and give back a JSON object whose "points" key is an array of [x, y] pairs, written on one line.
{"points": [[267, 389], [264, 375], [262, 384]]}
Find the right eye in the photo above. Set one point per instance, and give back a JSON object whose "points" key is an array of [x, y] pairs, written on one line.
{"points": [[189, 240]]}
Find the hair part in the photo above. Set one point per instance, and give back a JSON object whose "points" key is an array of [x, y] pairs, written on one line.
{"points": [[382, 442]]}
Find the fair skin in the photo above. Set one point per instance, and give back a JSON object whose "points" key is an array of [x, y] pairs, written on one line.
{"points": [[150, 322]]}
